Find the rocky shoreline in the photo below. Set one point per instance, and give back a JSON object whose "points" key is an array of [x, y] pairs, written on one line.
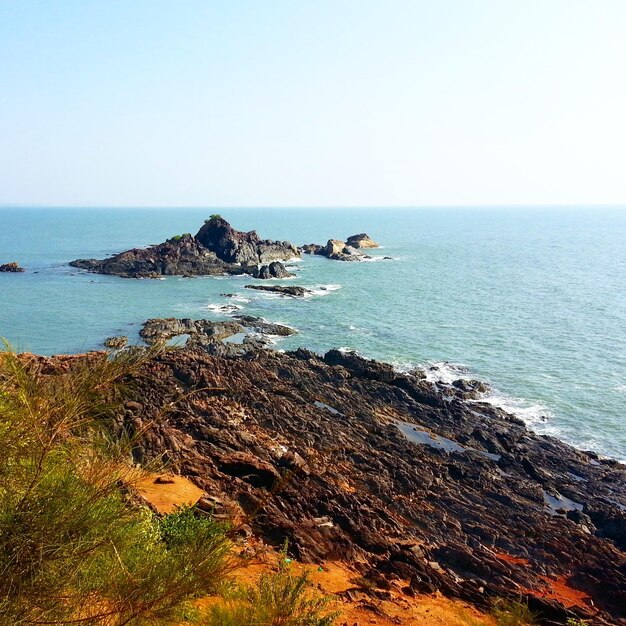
{"points": [[405, 479]]}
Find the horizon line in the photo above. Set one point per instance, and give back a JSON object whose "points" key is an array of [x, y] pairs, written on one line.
{"points": [[8, 205]]}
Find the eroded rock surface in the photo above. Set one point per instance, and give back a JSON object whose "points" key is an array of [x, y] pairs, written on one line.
{"points": [[216, 249], [348, 459], [223, 338]]}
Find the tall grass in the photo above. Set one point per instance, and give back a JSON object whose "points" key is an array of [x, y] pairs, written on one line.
{"points": [[280, 598], [74, 548]]}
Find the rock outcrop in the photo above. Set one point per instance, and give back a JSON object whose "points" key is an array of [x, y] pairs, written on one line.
{"points": [[274, 270], [116, 343], [233, 246], [362, 240], [342, 251], [293, 291], [13, 267], [348, 459], [223, 338], [216, 249]]}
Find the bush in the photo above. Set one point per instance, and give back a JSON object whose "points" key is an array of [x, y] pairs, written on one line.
{"points": [[73, 545], [513, 613], [280, 599]]}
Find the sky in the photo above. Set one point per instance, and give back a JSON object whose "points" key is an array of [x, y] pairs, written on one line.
{"points": [[312, 102]]}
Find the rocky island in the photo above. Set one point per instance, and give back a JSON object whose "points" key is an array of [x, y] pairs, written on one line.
{"points": [[13, 267], [337, 250], [217, 248]]}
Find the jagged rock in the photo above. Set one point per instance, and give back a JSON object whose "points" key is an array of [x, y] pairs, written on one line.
{"points": [[216, 249], [339, 251], [233, 246], [158, 330], [13, 267], [274, 270], [215, 337], [362, 240], [372, 482], [312, 248], [116, 343], [292, 290], [259, 325]]}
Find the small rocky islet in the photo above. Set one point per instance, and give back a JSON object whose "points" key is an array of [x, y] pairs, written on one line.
{"points": [[13, 268]]}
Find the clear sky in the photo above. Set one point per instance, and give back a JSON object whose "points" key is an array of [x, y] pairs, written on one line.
{"points": [[312, 102]]}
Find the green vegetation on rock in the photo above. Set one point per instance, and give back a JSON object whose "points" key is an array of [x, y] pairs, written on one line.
{"points": [[75, 544]]}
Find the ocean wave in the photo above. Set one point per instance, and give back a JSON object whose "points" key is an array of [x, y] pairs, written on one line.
{"points": [[621, 389], [224, 308], [239, 298], [534, 414], [445, 372], [323, 290]]}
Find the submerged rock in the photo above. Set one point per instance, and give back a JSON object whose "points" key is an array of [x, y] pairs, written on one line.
{"points": [[217, 248], [292, 290], [13, 267]]}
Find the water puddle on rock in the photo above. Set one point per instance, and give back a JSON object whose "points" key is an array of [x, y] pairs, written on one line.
{"points": [[559, 504], [178, 340], [323, 405], [438, 442]]}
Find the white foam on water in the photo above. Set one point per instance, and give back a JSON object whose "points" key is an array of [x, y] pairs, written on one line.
{"points": [[375, 259], [323, 290], [621, 389], [534, 414], [347, 349], [239, 298], [444, 372], [227, 309]]}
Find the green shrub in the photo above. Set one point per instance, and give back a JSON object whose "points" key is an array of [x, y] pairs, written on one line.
{"points": [[513, 613], [281, 598], [73, 545]]}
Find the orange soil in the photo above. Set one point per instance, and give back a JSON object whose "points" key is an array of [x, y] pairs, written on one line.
{"points": [[510, 559], [166, 492], [335, 579], [558, 589]]}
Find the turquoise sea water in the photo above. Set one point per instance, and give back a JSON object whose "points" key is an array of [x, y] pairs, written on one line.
{"points": [[531, 300]]}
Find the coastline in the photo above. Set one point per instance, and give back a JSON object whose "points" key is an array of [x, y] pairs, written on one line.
{"points": [[310, 449]]}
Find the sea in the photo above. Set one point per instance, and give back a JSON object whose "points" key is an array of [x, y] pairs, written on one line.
{"points": [[530, 300]]}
